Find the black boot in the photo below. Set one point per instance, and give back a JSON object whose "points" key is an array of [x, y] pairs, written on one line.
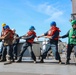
{"points": [[60, 62], [67, 62], [2, 59], [75, 54], [19, 59], [15, 58], [41, 61]]}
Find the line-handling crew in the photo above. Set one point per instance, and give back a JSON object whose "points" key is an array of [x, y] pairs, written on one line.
{"points": [[7, 38], [29, 37], [52, 44], [7, 45]]}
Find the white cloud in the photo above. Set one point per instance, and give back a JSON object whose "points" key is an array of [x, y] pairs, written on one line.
{"points": [[47, 9], [51, 11]]}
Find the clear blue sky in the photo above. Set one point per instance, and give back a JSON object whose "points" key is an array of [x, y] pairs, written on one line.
{"points": [[21, 14]]}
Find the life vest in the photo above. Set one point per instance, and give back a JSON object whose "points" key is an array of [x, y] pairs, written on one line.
{"points": [[11, 33], [71, 40], [52, 31], [29, 34]]}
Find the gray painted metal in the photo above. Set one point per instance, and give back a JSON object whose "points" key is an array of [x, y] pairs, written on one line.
{"points": [[36, 50], [73, 9]]}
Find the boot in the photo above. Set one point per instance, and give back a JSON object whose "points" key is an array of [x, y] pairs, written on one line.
{"points": [[15, 58], [41, 61], [60, 62], [8, 60], [67, 62], [19, 59], [35, 61], [0, 56], [2, 60], [75, 54]]}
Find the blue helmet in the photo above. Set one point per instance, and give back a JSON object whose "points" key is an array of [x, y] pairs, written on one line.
{"points": [[53, 23], [32, 28], [6, 27]]}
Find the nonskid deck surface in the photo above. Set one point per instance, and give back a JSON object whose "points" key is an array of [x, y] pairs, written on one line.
{"points": [[50, 67]]}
